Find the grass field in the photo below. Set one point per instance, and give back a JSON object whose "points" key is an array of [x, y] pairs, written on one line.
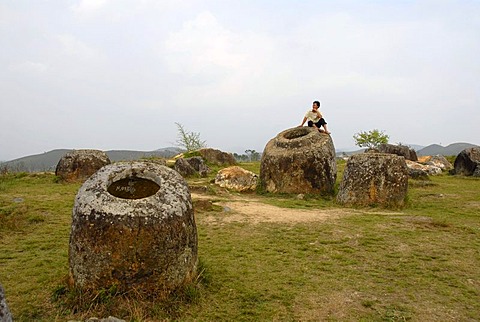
{"points": [[421, 263]]}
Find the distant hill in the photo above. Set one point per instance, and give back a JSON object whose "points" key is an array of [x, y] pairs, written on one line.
{"points": [[48, 161], [452, 149]]}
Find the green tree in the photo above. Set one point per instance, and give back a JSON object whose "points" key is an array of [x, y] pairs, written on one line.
{"points": [[371, 139], [190, 141]]}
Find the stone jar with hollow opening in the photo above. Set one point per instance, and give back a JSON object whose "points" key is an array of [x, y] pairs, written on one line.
{"points": [[299, 160], [133, 226]]}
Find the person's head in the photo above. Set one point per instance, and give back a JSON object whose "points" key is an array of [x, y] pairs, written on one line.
{"points": [[316, 105]]}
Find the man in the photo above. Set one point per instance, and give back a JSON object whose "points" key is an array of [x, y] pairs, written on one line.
{"points": [[315, 118]]}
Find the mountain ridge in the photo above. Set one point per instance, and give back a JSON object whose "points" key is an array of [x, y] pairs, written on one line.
{"points": [[48, 161]]}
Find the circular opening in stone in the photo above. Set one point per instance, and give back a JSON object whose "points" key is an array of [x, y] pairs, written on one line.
{"points": [[296, 133], [133, 188]]}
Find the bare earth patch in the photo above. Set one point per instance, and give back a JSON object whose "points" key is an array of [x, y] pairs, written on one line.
{"points": [[252, 210]]}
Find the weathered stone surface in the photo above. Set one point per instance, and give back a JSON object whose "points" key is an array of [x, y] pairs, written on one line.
{"points": [[133, 226], [401, 150], [374, 179], [427, 168], [5, 315], [237, 179], [217, 157], [199, 165], [79, 165], [467, 162], [183, 167], [438, 161], [299, 160]]}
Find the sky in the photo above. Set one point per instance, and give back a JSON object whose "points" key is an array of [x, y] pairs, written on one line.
{"points": [[118, 74]]}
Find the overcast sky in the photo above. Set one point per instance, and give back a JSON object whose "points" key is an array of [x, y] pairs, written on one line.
{"points": [[118, 74]]}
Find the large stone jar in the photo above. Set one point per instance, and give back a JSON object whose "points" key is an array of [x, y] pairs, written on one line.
{"points": [[374, 179], [299, 160], [133, 226]]}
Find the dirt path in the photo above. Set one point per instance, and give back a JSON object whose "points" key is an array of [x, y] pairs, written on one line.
{"points": [[250, 209]]}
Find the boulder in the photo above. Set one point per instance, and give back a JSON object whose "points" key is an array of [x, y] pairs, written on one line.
{"points": [[5, 315], [183, 167], [438, 161], [237, 179], [427, 168], [299, 160], [374, 179], [467, 162], [79, 165], [217, 157], [133, 226], [401, 150], [199, 165]]}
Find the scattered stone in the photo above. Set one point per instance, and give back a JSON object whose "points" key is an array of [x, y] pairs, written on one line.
{"points": [[183, 167], [199, 165], [428, 169], [300, 196], [109, 319], [467, 162], [133, 226], [299, 160], [217, 157], [371, 150], [438, 161], [79, 165], [5, 315], [374, 179], [401, 150], [237, 179], [18, 200]]}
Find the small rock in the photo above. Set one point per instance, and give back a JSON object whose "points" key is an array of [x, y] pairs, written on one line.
{"points": [[300, 196], [237, 179]]}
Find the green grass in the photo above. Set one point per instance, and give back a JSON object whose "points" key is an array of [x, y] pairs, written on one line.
{"points": [[419, 263]]}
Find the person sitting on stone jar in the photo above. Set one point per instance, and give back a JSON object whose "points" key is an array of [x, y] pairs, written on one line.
{"points": [[315, 118]]}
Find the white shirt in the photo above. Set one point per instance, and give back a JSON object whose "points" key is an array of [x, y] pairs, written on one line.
{"points": [[312, 116]]}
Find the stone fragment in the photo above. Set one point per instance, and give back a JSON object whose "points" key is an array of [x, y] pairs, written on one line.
{"points": [[217, 157], [199, 165], [237, 179], [438, 161], [467, 162], [133, 227], [5, 315], [374, 179], [427, 168], [79, 165], [401, 150], [299, 160], [183, 167]]}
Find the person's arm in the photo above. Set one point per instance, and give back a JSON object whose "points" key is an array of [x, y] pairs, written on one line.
{"points": [[303, 122]]}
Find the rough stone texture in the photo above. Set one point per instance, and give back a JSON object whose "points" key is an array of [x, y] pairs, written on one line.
{"points": [[438, 161], [5, 315], [427, 168], [148, 243], [237, 179], [401, 150], [374, 179], [467, 162], [199, 165], [299, 160], [79, 165], [217, 157], [183, 167]]}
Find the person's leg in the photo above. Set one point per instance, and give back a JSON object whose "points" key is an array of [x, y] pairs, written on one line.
{"points": [[310, 123], [324, 124]]}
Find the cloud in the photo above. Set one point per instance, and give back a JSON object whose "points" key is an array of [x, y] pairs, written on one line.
{"points": [[72, 46], [28, 66], [89, 7]]}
